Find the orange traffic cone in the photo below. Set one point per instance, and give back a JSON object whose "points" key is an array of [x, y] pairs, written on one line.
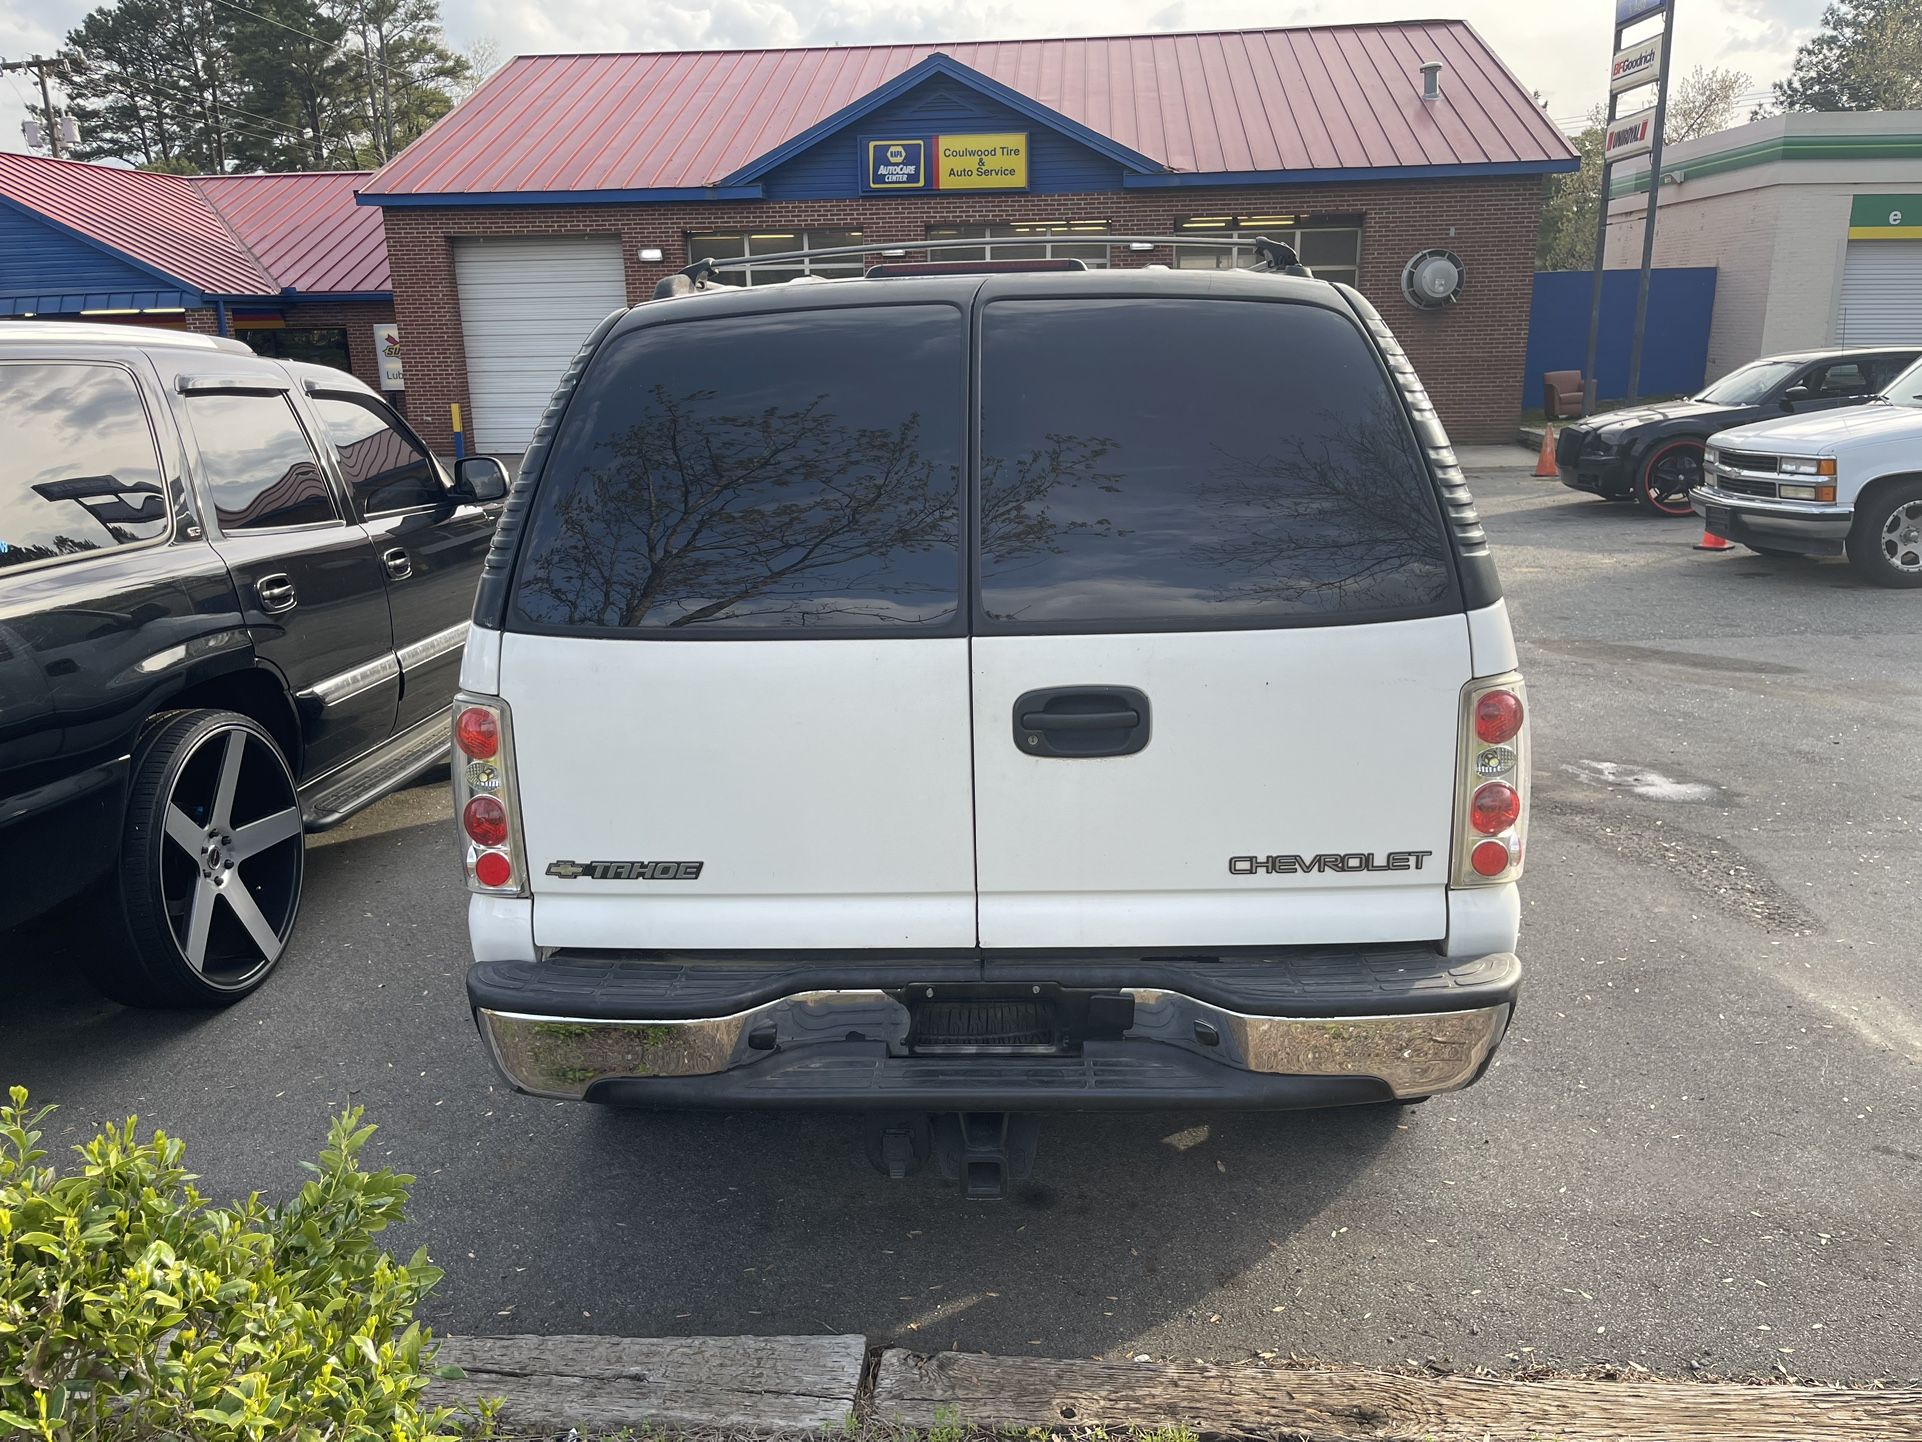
{"points": [[1714, 543], [1545, 462]]}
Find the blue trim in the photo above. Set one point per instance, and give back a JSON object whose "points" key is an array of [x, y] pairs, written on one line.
{"points": [[74, 302], [174, 281], [1365, 172], [220, 317], [566, 197], [945, 65]]}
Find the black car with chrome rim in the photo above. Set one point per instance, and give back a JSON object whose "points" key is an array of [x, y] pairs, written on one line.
{"points": [[233, 600], [1653, 454]]}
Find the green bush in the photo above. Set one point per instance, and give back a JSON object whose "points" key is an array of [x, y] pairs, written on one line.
{"points": [[130, 1308]]}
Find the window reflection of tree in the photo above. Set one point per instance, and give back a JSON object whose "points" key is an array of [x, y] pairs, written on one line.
{"points": [[1017, 522], [696, 516], [1343, 517]]}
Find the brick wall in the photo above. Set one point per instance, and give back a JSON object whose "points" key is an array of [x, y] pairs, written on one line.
{"points": [[1470, 354], [358, 317]]}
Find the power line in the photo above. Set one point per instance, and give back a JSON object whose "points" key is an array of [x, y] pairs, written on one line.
{"points": [[296, 30]]}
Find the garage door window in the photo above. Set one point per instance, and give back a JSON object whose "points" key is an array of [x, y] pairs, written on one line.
{"points": [[78, 472], [773, 242], [795, 473], [256, 464]]}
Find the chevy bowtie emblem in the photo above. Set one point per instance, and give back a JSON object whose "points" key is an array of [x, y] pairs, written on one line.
{"points": [[567, 870]]}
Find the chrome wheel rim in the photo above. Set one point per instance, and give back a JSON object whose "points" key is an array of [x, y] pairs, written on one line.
{"points": [[230, 866], [1902, 537]]}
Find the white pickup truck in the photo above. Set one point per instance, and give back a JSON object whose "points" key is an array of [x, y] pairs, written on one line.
{"points": [[1846, 481]]}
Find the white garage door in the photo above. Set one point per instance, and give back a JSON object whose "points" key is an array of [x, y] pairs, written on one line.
{"points": [[525, 307], [1881, 293]]}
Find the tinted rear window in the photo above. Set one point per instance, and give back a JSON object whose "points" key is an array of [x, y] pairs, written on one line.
{"points": [[1170, 463], [78, 470], [797, 472]]}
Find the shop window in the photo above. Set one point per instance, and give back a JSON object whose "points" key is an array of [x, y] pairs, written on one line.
{"points": [[1051, 241], [774, 242], [318, 345], [1328, 245]]}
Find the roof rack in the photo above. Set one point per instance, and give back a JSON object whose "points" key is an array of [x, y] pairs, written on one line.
{"points": [[1277, 257]]}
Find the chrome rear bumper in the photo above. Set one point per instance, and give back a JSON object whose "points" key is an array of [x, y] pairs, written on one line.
{"points": [[859, 1038]]}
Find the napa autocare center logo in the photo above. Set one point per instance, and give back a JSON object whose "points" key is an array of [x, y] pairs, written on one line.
{"points": [[898, 164], [989, 160]]}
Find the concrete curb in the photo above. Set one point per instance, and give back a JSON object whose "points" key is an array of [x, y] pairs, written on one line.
{"points": [[603, 1385]]}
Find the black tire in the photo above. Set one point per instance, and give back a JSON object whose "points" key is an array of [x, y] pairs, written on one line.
{"points": [[210, 868], [1667, 474], [1885, 543]]}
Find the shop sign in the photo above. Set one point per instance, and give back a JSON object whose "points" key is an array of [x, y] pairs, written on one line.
{"points": [[387, 351], [1636, 64], [1630, 136], [1885, 217], [986, 160]]}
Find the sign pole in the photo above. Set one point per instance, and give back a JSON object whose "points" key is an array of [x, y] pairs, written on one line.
{"points": [[1630, 64], [1648, 222], [1589, 378]]}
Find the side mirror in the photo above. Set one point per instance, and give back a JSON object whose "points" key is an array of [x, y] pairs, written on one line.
{"points": [[479, 480], [1794, 395]]}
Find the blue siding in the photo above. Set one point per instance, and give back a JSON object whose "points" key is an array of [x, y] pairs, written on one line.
{"points": [[44, 269], [1681, 300], [831, 170]]}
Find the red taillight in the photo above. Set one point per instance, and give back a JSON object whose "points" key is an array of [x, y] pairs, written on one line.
{"points": [[491, 868], [1496, 807], [477, 733], [1489, 858], [1498, 716], [485, 821]]}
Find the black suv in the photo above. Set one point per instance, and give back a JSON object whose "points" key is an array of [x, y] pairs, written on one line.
{"points": [[1653, 454], [233, 600]]}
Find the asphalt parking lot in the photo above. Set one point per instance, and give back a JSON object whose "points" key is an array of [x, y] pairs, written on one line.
{"points": [[1702, 1146]]}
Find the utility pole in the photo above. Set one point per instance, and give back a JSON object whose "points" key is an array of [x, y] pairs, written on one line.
{"points": [[41, 65]]}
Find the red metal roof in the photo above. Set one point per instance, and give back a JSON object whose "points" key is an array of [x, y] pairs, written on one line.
{"points": [[305, 229], [237, 235], [1339, 97]]}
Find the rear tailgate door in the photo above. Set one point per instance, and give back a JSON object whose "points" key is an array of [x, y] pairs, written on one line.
{"points": [[1219, 642], [737, 637]]}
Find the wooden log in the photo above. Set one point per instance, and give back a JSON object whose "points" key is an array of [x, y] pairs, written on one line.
{"points": [[754, 1384], [1345, 1405]]}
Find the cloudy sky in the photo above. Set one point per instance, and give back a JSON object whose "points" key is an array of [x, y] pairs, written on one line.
{"points": [[1560, 49]]}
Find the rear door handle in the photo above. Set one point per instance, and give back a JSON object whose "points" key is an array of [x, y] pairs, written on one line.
{"points": [[276, 592], [1069, 721], [398, 565], [1080, 720]]}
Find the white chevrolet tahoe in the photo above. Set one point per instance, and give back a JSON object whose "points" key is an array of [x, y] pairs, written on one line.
{"points": [[970, 690], [1845, 481]]}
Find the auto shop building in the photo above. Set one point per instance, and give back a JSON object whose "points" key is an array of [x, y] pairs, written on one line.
{"points": [[1812, 222], [568, 185], [288, 263]]}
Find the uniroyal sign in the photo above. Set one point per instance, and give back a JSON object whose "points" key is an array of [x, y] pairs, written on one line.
{"points": [[1631, 135], [1639, 64]]}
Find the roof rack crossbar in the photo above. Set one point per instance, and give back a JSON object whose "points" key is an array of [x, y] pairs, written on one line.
{"points": [[1276, 256]]}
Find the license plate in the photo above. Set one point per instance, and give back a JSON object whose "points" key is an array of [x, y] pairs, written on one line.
{"points": [[1717, 517]]}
